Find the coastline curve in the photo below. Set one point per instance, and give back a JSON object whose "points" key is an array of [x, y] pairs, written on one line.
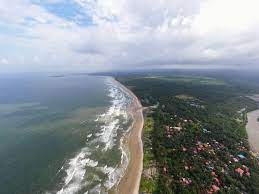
{"points": [[130, 182]]}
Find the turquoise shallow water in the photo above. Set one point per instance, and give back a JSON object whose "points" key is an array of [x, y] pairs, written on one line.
{"points": [[61, 134]]}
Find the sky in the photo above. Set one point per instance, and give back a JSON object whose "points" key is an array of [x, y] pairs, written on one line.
{"points": [[100, 35]]}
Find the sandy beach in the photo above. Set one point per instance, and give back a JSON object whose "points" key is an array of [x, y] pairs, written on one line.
{"points": [[129, 184], [252, 128]]}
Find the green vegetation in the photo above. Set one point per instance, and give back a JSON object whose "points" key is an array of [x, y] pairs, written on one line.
{"points": [[195, 139], [148, 180], [188, 79], [184, 97]]}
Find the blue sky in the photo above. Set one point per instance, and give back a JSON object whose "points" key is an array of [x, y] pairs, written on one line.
{"points": [[68, 10], [99, 35]]}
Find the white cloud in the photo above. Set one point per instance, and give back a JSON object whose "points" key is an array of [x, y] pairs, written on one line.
{"points": [[4, 61], [228, 15], [131, 33]]}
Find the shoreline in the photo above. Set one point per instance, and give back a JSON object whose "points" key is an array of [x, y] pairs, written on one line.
{"points": [[130, 181], [252, 128]]}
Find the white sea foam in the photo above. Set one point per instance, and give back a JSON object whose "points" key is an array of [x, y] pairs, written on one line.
{"points": [[115, 174], [90, 135], [108, 133], [96, 189], [111, 119], [76, 171]]}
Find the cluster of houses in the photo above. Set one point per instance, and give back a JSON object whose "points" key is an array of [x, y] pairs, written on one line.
{"points": [[213, 147], [170, 130]]}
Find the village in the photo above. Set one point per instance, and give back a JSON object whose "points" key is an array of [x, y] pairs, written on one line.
{"points": [[194, 137], [193, 150]]}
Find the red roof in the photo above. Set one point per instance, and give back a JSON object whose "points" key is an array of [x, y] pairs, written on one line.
{"points": [[215, 188], [240, 171]]}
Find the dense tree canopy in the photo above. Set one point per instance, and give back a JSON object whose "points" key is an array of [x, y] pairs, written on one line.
{"points": [[194, 138]]}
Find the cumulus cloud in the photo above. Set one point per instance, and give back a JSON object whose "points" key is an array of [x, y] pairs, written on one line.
{"points": [[131, 34]]}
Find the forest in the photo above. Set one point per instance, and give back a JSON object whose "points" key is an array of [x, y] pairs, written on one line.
{"points": [[194, 135]]}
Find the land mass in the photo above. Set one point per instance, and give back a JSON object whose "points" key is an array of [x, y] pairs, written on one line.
{"points": [[194, 136]]}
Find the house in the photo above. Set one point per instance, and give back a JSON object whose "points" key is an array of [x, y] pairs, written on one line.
{"points": [[205, 131], [215, 188], [240, 171], [186, 181], [216, 180], [213, 173], [177, 128], [241, 156]]}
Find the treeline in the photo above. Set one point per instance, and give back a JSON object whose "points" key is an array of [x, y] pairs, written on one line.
{"points": [[195, 139]]}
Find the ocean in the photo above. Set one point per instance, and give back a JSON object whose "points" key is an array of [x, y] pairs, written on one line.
{"points": [[62, 134]]}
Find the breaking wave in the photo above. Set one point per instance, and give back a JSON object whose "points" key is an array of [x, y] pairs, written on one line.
{"points": [[110, 134]]}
